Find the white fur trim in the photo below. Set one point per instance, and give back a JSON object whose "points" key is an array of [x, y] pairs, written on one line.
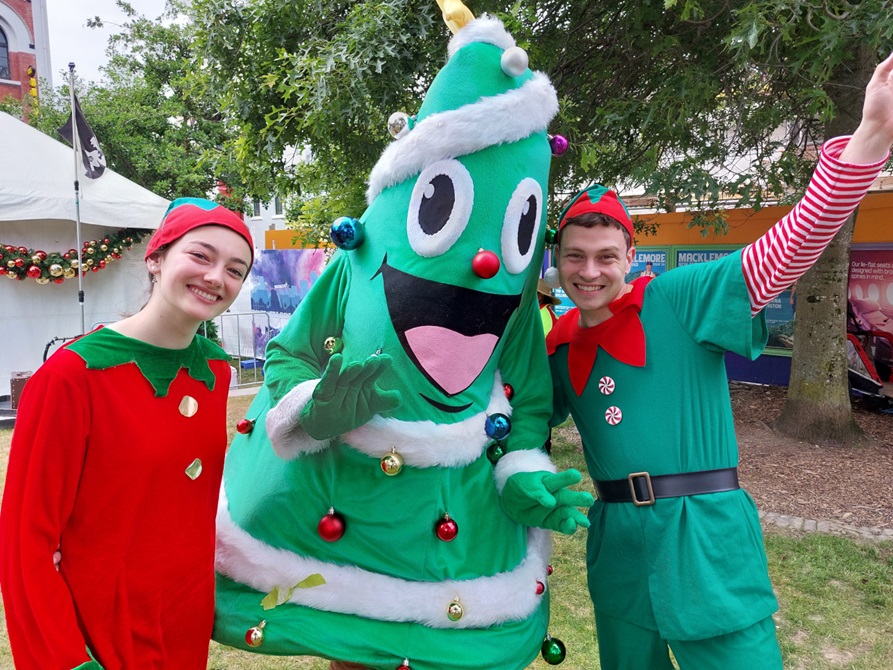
{"points": [[289, 440], [422, 444], [425, 444], [523, 460], [483, 29], [497, 119], [487, 601]]}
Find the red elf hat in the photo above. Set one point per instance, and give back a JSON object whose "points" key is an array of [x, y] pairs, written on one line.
{"points": [[184, 214], [600, 200]]}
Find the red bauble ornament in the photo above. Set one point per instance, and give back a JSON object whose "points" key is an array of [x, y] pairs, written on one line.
{"points": [[245, 426], [509, 391], [58, 280], [446, 529], [549, 570], [19, 262], [404, 665], [331, 526], [95, 268], [485, 264], [102, 264], [23, 250], [540, 588], [34, 272], [41, 254]]}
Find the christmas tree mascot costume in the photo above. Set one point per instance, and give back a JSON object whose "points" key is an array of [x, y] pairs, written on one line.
{"points": [[394, 462]]}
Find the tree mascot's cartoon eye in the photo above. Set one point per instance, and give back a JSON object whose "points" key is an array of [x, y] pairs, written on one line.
{"points": [[439, 208], [521, 225]]}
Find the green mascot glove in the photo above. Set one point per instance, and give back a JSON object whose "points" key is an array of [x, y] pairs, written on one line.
{"points": [[347, 397], [542, 499]]}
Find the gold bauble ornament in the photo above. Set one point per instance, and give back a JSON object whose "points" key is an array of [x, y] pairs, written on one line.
{"points": [[333, 345], [42, 280], [392, 463], [74, 263], [454, 611], [68, 273], [56, 270], [254, 637]]}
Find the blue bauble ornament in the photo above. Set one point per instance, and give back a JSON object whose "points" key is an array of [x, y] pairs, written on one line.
{"points": [[347, 233], [498, 426]]}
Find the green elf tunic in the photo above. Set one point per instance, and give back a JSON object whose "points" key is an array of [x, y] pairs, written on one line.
{"points": [[690, 567], [116, 459]]}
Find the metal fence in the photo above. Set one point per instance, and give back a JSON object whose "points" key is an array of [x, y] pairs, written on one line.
{"points": [[243, 335]]}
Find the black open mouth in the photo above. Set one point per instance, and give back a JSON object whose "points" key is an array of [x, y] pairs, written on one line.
{"points": [[449, 332]]}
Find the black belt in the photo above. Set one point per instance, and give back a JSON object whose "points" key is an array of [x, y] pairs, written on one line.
{"points": [[640, 488]]}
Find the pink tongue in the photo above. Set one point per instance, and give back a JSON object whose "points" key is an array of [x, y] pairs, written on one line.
{"points": [[453, 360]]}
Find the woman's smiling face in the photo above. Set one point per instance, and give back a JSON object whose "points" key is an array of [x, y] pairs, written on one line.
{"points": [[202, 272]]}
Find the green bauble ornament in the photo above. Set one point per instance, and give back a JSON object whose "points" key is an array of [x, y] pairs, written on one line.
{"points": [[495, 452], [553, 650], [551, 236]]}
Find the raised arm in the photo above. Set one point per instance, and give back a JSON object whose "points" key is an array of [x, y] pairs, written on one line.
{"points": [[847, 167]]}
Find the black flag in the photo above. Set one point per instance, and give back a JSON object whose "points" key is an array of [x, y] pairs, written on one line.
{"points": [[91, 154]]}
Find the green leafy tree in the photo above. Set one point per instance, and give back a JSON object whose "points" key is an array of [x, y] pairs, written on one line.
{"points": [[835, 46], [676, 92], [153, 128], [315, 79], [704, 103]]}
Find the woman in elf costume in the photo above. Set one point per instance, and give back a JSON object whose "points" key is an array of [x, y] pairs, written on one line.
{"points": [[382, 506], [116, 460]]}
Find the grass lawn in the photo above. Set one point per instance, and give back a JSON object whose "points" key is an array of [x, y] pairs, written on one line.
{"points": [[836, 596]]}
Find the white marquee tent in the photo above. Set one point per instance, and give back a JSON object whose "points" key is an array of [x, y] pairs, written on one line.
{"points": [[37, 210]]}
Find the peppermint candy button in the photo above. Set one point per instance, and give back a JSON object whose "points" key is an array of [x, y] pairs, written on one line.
{"points": [[606, 385], [613, 415]]}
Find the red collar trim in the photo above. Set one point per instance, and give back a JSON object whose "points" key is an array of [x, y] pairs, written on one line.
{"points": [[621, 336]]}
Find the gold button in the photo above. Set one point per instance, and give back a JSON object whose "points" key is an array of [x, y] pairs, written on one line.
{"points": [[188, 406], [194, 469]]}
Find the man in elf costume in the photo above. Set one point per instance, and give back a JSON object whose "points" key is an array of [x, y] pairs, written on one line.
{"points": [[386, 500], [675, 555]]}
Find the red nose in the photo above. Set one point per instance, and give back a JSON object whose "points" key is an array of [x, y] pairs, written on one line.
{"points": [[485, 264]]}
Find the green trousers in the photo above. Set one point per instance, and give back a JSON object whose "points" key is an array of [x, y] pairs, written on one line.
{"points": [[625, 646]]}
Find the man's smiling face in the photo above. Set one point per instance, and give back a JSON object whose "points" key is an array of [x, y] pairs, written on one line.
{"points": [[592, 266]]}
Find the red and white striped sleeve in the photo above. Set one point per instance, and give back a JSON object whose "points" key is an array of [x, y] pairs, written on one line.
{"points": [[791, 246]]}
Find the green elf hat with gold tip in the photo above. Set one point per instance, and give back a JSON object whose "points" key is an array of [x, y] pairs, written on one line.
{"points": [[484, 96]]}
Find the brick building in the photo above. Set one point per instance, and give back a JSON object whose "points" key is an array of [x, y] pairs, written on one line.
{"points": [[24, 48]]}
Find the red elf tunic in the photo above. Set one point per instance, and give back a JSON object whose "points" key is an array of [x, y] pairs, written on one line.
{"points": [[116, 458]]}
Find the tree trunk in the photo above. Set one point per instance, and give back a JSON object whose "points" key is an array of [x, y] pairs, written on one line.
{"points": [[818, 407]]}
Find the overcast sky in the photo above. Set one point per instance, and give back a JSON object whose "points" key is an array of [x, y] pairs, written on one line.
{"points": [[72, 41]]}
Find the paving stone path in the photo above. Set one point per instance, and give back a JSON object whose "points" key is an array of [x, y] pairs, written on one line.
{"points": [[829, 527]]}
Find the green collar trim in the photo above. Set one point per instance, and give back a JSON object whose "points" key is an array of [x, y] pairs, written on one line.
{"points": [[105, 348]]}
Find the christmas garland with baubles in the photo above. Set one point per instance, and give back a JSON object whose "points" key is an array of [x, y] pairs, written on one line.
{"points": [[57, 266]]}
